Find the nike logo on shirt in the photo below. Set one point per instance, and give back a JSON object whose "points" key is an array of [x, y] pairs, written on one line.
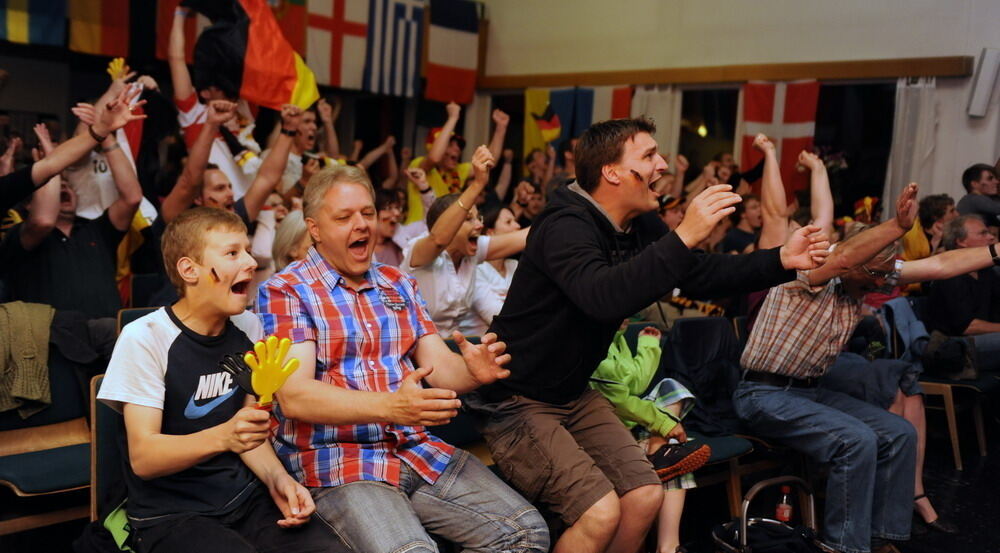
{"points": [[193, 411]]}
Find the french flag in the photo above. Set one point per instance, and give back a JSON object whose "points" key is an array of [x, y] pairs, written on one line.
{"points": [[452, 51]]}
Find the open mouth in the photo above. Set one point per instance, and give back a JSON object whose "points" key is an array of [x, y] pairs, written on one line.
{"points": [[64, 197], [241, 288], [359, 248]]}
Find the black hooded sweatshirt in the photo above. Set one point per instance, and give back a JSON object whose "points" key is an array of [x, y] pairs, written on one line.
{"points": [[578, 278]]}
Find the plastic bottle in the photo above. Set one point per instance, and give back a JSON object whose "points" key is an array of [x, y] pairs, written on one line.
{"points": [[783, 510]]}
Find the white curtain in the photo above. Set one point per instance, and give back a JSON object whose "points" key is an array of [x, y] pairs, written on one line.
{"points": [[663, 105], [914, 131], [477, 123]]}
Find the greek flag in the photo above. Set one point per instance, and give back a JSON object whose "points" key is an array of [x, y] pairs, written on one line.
{"points": [[394, 46]]}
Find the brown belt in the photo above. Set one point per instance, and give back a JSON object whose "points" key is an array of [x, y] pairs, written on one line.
{"points": [[780, 381]]}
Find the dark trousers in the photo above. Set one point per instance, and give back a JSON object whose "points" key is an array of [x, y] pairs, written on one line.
{"points": [[251, 528]]}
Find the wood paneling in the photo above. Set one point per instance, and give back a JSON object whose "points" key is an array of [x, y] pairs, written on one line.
{"points": [[953, 66]]}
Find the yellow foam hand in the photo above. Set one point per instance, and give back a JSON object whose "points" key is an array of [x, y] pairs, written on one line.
{"points": [[268, 367], [116, 68]]}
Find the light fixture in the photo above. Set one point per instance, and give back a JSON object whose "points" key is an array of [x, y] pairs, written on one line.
{"points": [[702, 130]]}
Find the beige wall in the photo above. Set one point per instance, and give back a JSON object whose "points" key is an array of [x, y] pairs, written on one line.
{"points": [[560, 36]]}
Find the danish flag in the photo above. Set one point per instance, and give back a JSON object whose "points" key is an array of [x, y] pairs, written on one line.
{"points": [[786, 113]]}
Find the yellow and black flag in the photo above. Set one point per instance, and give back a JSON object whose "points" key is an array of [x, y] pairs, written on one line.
{"points": [[245, 54]]}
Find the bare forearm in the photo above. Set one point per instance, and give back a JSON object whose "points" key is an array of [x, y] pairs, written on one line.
{"points": [[64, 155], [129, 190], [979, 326], [821, 199], [332, 143], [773, 204], [371, 157], [43, 215], [317, 402], [450, 373], [946, 265], [268, 176], [445, 228], [496, 143], [504, 179], [156, 455], [177, 61], [182, 195], [441, 142], [263, 462]]}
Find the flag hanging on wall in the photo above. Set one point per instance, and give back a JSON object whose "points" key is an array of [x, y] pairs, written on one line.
{"points": [[193, 26], [33, 21], [786, 113], [99, 27], [336, 41], [394, 45], [291, 17], [245, 52], [452, 51]]}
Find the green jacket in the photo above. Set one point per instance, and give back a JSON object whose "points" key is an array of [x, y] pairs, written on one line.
{"points": [[623, 378]]}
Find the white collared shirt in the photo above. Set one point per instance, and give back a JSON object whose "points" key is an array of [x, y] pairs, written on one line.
{"points": [[448, 292]]}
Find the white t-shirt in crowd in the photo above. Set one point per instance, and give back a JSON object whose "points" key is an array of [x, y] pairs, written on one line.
{"points": [[448, 292], [487, 298]]}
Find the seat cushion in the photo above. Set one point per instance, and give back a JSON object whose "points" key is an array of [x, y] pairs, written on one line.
{"points": [[724, 447], [48, 471]]}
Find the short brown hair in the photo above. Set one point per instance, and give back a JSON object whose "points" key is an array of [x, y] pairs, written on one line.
{"points": [[322, 181], [603, 144], [185, 237], [890, 251]]}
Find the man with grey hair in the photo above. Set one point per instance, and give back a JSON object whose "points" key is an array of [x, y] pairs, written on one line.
{"points": [[352, 421], [802, 327], [969, 304]]}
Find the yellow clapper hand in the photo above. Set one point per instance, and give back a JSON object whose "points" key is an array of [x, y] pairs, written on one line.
{"points": [[269, 369], [117, 68]]}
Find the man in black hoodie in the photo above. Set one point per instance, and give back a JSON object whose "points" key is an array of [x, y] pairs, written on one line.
{"points": [[596, 255]]}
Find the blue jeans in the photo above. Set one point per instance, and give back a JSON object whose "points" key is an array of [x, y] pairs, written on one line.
{"points": [[468, 505], [872, 454]]}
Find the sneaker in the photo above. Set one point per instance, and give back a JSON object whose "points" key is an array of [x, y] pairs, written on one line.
{"points": [[673, 460]]}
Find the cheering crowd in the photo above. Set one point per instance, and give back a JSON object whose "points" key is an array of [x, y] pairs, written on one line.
{"points": [[373, 262]]}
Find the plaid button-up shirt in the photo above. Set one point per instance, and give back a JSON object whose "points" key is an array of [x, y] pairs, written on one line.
{"points": [[801, 329], [364, 341]]}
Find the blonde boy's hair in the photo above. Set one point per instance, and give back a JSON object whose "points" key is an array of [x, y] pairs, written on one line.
{"points": [[185, 237], [320, 183]]}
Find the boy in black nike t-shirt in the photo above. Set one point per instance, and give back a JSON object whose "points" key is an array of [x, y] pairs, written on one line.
{"points": [[201, 466]]}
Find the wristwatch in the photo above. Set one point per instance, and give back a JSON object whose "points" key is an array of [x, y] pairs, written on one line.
{"points": [[287, 132], [993, 252]]}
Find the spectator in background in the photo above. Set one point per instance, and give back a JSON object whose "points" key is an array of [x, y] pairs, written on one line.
{"points": [[566, 173], [746, 220], [671, 211], [969, 304], [386, 249], [58, 258], [980, 182], [444, 261], [924, 239], [291, 241], [492, 277], [445, 173]]}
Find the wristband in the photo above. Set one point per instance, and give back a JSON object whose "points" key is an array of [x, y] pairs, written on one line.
{"points": [[424, 190], [111, 148], [993, 252], [287, 132], [95, 136], [461, 205]]}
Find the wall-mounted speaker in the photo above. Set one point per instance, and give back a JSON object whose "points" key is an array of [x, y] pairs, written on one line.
{"points": [[983, 82]]}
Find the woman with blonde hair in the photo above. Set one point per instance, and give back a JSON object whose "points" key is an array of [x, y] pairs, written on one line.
{"points": [[291, 241]]}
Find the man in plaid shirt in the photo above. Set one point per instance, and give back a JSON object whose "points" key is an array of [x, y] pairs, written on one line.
{"points": [[352, 420], [802, 327]]}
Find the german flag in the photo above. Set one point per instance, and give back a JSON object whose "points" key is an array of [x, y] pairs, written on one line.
{"points": [[245, 54], [548, 123], [99, 27]]}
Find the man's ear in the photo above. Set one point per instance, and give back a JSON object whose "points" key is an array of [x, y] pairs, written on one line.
{"points": [[313, 229], [610, 174], [189, 271]]}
